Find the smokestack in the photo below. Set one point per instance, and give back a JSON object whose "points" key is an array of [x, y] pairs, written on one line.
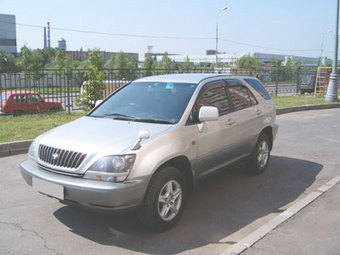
{"points": [[45, 40], [48, 35]]}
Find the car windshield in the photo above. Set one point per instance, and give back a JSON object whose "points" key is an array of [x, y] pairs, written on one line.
{"points": [[153, 102]]}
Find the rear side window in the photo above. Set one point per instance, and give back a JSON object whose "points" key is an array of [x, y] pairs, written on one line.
{"points": [[241, 97], [258, 87]]}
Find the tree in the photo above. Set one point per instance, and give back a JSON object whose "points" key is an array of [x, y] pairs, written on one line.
{"points": [[62, 62], [249, 62], [7, 62], [25, 58], [92, 90], [123, 65], [31, 61], [187, 65], [149, 65], [166, 64], [289, 69], [49, 55], [95, 58]]}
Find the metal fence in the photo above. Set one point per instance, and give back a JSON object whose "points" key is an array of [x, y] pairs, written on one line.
{"points": [[64, 87]]}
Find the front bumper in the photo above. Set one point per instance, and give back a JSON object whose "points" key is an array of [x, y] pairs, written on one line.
{"points": [[91, 193]]}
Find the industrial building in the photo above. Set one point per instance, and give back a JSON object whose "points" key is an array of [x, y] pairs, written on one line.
{"points": [[230, 58], [8, 37]]}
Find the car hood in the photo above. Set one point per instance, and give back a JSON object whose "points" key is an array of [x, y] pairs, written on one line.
{"points": [[102, 136]]}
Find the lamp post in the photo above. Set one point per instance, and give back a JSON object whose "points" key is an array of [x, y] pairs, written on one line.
{"points": [[216, 53], [322, 41], [332, 91]]}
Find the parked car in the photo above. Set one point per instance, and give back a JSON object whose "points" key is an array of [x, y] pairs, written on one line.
{"points": [[21, 102], [149, 143]]}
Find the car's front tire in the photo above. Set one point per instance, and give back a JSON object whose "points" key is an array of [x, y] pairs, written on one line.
{"points": [[164, 200], [259, 159]]}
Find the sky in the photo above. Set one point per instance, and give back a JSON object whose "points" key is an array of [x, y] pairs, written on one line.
{"points": [[187, 27]]}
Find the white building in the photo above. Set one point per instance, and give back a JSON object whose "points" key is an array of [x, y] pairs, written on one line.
{"points": [[231, 58]]}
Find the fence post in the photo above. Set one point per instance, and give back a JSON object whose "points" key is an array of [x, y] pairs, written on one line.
{"points": [[68, 92], [276, 81], [298, 82]]}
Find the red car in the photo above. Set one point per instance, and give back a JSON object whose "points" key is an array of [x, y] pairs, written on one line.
{"points": [[20, 102]]}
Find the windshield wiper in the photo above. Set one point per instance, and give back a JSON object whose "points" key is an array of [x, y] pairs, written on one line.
{"points": [[154, 121], [119, 116]]}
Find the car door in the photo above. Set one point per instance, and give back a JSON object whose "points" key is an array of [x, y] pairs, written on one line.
{"points": [[216, 139], [36, 103], [247, 114], [17, 104]]}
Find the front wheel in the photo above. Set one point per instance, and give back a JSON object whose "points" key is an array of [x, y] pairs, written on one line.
{"points": [[164, 200], [259, 159]]}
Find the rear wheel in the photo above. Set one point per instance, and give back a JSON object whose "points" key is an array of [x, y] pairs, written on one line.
{"points": [[17, 113], [164, 200], [54, 109], [260, 156]]}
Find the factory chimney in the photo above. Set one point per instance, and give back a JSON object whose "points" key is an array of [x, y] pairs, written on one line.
{"points": [[45, 40], [48, 35]]}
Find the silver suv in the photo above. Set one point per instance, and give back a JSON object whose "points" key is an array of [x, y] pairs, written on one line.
{"points": [[148, 144]]}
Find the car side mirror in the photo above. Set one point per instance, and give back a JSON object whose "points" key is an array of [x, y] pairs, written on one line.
{"points": [[208, 113], [142, 135], [98, 102]]}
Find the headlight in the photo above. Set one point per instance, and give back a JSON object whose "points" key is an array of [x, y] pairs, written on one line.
{"points": [[32, 150], [111, 168]]}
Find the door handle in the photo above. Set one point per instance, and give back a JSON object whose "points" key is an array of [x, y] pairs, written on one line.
{"points": [[258, 112], [230, 122]]}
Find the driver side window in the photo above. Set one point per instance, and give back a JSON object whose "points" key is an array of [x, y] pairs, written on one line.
{"points": [[212, 94]]}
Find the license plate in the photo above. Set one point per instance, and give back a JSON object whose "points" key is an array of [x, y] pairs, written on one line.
{"points": [[48, 188]]}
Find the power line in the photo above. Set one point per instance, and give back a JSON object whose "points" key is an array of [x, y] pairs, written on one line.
{"points": [[162, 37]]}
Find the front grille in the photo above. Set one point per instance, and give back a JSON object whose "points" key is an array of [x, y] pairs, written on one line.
{"points": [[59, 172], [59, 157]]}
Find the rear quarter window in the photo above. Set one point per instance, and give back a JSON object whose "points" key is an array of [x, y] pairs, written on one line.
{"points": [[259, 88]]}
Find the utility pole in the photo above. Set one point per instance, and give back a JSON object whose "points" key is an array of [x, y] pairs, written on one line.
{"points": [[224, 8], [332, 91]]}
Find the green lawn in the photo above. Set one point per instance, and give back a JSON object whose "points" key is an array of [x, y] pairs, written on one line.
{"points": [[297, 100], [30, 126]]}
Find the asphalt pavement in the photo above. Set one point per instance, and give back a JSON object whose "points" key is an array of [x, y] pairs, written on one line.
{"points": [[224, 209], [314, 230]]}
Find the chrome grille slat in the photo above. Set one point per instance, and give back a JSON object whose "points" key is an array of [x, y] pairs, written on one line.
{"points": [[65, 158]]}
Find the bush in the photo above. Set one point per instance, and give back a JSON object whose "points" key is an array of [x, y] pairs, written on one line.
{"points": [[92, 89]]}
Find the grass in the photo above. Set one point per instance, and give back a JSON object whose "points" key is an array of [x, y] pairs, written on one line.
{"points": [[298, 100], [30, 126]]}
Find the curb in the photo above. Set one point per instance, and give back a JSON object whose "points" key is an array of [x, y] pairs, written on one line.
{"points": [[306, 108], [20, 147], [14, 148]]}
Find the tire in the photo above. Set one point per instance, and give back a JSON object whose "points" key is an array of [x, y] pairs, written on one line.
{"points": [[259, 159], [164, 200], [17, 113], [54, 109]]}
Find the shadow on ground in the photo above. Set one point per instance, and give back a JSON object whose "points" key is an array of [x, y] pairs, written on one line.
{"points": [[223, 203]]}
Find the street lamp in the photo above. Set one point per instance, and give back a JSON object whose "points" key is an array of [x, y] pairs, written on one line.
{"points": [[216, 53], [332, 91], [323, 37]]}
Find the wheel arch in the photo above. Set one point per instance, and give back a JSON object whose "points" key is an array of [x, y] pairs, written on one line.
{"points": [[269, 132], [183, 164]]}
